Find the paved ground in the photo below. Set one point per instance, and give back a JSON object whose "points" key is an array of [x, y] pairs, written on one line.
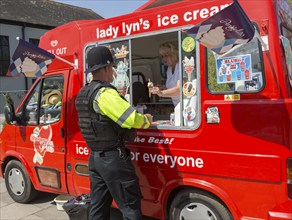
{"points": [[43, 208]]}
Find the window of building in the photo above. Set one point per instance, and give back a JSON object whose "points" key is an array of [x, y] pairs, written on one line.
{"points": [[4, 55], [34, 41]]}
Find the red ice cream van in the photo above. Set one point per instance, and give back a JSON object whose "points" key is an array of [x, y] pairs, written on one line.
{"points": [[223, 152]]}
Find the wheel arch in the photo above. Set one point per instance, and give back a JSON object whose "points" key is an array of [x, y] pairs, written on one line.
{"points": [[176, 186], [11, 155], [18, 182]]}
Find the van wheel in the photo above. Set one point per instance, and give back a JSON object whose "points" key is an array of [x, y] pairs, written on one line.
{"points": [[196, 204], [18, 184]]}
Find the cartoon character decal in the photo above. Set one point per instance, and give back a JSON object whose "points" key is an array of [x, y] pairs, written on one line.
{"points": [[120, 52], [189, 115], [189, 89], [121, 81], [212, 115], [41, 137], [188, 44]]}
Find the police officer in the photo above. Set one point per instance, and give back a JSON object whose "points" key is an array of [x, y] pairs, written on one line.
{"points": [[106, 121]]}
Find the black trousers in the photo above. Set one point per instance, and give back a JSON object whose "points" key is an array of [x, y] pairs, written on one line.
{"points": [[113, 177]]}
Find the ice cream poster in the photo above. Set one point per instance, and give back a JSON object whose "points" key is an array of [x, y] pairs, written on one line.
{"points": [[42, 139], [234, 69]]}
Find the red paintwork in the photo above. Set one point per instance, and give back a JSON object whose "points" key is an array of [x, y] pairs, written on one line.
{"points": [[244, 157]]}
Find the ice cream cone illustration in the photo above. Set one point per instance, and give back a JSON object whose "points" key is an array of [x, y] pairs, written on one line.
{"points": [[238, 73], [189, 65], [242, 66], [247, 74], [213, 38], [224, 68], [29, 67], [220, 76], [228, 75]]}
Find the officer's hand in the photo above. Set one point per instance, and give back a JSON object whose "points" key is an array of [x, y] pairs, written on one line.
{"points": [[150, 117]]}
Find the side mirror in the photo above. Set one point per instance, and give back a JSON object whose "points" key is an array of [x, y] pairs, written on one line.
{"points": [[9, 109], [9, 113]]}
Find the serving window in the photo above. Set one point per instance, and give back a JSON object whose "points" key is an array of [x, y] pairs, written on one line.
{"points": [[140, 67]]}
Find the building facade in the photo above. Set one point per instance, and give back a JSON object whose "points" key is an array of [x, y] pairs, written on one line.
{"points": [[29, 20]]}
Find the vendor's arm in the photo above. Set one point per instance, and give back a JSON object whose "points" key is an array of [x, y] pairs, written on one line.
{"points": [[172, 92]]}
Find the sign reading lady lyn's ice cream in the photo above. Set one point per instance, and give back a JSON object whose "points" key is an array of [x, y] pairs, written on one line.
{"points": [[233, 69]]}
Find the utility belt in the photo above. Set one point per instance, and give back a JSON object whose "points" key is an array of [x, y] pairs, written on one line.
{"points": [[120, 148], [118, 137], [103, 145]]}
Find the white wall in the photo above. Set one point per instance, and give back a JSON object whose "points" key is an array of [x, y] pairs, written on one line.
{"points": [[16, 85], [14, 31]]}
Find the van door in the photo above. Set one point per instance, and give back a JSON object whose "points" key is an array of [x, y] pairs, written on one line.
{"points": [[40, 138]]}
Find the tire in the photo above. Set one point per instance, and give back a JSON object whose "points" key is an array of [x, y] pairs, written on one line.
{"points": [[18, 183], [191, 204]]}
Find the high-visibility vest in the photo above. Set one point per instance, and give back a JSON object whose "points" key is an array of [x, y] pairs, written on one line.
{"points": [[108, 102], [99, 130]]}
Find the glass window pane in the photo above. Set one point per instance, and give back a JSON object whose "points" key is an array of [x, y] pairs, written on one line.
{"points": [[287, 45], [238, 71], [34, 41], [156, 76], [4, 40], [120, 51], [32, 107], [4, 55], [51, 100], [190, 84]]}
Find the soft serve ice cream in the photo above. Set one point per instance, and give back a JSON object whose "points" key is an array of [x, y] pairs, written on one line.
{"points": [[150, 86], [29, 67]]}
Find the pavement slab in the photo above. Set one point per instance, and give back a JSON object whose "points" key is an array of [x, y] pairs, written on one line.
{"points": [[33, 217], [53, 213], [42, 208], [17, 211]]}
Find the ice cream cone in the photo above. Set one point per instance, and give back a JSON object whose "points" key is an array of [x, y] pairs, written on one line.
{"points": [[150, 86]]}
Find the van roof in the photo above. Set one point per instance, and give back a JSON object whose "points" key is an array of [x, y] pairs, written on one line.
{"points": [[158, 3]]}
